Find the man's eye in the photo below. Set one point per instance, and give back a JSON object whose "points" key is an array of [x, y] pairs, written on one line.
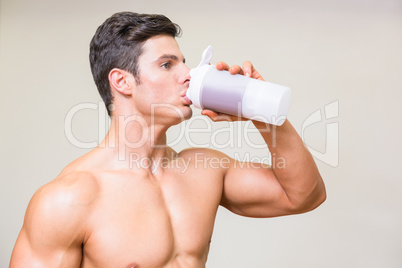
{"points": [[166, 65]]}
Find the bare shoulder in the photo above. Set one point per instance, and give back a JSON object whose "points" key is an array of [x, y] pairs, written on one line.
{"points": [[62, 205], [205, 154], [207, 160], [78, 186], [55, 225]]}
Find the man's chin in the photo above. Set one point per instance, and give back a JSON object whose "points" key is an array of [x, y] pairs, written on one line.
{"points": [[186, 114], [190, 113]]}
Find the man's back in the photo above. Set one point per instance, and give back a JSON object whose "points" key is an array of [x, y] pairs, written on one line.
{"points": [[100, 217]]}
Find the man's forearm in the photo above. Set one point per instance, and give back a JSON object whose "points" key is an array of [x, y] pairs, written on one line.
{"points": [[293, 166]]}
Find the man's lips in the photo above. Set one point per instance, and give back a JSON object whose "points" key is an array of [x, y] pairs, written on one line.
{"points": [[187, 100]]}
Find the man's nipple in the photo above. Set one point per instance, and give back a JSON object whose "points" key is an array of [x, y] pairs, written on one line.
{"points": [[133, 265]]}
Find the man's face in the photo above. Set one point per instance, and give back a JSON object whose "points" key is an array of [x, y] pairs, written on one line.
{"points": [[164, 81]]}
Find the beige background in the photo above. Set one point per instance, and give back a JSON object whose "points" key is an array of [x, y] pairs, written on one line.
{"points": [[348, 51]]}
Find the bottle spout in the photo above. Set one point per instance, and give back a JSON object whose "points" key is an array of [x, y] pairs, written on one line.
{"points": [[206, 56]]}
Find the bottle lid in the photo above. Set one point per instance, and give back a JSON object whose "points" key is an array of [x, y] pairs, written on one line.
{"points": [[197, 76]]}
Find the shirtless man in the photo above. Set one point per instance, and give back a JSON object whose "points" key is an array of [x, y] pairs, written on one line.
{"points": [[114, 207]]}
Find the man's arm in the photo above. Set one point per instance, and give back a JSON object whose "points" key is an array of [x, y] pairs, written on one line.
{"points": [[291, 185], [53, 229]]}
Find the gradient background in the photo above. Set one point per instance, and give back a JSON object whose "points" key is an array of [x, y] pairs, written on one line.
{"points": [[347, 50]]}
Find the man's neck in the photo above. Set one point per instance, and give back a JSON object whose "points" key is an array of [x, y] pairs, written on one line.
{"points": [[133, 143]]}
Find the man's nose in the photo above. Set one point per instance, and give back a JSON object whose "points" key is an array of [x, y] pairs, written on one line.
{"points": [[186, 72]]}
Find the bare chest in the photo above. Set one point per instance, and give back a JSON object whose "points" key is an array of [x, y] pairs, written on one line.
{"points": [[135, 222]]}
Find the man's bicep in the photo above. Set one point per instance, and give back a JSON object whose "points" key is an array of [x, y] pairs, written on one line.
{"points": [[21, 252], [252, 189], [24, 255]]}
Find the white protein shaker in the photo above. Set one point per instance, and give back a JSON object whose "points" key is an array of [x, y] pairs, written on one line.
{"points": [[237, 95]]}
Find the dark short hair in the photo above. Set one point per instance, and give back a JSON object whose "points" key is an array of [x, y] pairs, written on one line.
{"points": [[118, 43]]}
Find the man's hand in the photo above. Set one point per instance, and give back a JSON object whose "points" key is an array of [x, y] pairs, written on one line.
{"points": [[247, 70]]}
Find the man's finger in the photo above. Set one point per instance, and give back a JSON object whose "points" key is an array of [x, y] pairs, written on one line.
{"points": [[248, 68], [236, 69], [222, 66]]}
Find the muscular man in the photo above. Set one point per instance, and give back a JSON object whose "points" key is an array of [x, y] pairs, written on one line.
{"points": [[135, 202]]}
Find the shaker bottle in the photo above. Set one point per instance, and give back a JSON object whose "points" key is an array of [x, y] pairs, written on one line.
{"points": [[237, 95]]}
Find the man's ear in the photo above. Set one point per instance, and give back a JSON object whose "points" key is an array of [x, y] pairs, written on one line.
{"points": [[122, 81]]}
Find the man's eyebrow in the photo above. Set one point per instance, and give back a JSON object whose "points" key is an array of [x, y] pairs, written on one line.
{"points": [[170, 56]]}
